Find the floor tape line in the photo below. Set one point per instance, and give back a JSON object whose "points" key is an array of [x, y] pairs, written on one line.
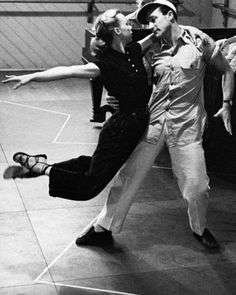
{"points": [[54, 261], [87, 288], [61, 129], [161, 167], [38, 279], [32, 107]]}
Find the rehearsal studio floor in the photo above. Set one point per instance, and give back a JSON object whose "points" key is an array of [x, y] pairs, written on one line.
{"points": [[155, 254]]}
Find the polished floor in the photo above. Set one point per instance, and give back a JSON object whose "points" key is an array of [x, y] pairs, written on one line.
{"points": [[155, 254]]}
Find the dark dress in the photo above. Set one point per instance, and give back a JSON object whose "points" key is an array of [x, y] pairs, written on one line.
{"points": [[124, 77]]}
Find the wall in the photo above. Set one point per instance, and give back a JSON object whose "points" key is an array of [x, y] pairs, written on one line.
{"points": [[202, 10], [217, 17], [32, 42], [36, 42]]}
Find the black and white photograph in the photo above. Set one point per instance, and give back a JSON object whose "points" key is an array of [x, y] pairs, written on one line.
{"points": [[117, 147]]}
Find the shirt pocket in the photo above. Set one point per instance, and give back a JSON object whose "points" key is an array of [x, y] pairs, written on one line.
{"points": [[186, 72], [188, 63]]}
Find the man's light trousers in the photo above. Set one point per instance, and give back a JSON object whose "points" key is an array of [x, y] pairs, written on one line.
{"points": [[188, 164]]}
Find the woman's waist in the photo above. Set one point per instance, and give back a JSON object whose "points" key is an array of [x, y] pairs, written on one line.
{"points": [[138, 110]]}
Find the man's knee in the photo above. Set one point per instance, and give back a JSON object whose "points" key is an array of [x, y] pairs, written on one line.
{"points": [[195, 189]]}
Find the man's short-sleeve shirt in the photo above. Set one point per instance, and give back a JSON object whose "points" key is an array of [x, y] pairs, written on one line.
{"points": [[177, 98]]}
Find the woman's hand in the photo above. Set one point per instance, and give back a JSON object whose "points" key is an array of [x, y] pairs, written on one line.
{"points": [[21, 80]]}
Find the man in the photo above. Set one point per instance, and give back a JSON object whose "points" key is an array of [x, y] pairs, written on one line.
{"points": [[177, 119]]}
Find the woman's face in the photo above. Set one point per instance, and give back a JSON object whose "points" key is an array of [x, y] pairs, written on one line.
{"points": [[125, 28]]}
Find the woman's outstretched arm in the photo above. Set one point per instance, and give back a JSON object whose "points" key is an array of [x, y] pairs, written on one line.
{"points": [[87, 71]]}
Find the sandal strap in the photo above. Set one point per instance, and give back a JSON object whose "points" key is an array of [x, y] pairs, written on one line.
{"points": [[25, 162], [42, 170], [24, 159]]}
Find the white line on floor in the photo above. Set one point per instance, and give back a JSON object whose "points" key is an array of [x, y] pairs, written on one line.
{"points": [[87, 288], [161, 167], [53, 262], [37, 280], [61, 129], [32, 107], [44, 110]]}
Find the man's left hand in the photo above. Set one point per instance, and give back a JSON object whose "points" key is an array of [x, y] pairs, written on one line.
{"points": [[224, 113]]}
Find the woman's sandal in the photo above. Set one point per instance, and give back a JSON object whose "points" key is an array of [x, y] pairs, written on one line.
{"points": [[28, 168], [16, 171], [24, 159]]}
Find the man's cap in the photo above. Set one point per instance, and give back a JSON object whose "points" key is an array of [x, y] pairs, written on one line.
{"points": [[143, 13]]}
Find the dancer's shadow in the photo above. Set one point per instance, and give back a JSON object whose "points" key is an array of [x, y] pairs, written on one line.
{"points": [[128, 272]]}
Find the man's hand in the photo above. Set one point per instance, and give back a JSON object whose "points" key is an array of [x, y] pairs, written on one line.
{"points": [[21, 80], [224, 113]]}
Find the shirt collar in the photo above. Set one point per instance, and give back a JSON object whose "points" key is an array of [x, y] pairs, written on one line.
{"points": [[185, 36]]}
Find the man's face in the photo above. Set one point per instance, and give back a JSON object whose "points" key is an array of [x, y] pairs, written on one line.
{"points": [[159, 22]]}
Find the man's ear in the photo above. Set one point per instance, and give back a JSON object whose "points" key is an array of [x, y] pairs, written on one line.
{"points": [[170, 15], [117, 30]]}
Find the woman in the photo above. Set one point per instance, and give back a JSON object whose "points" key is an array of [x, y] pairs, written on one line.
{"points": [[99, 112], [124, 76]]}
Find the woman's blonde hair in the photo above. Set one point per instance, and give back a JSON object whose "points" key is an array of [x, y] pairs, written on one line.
{"points": [[140, 3], [103, 29]]}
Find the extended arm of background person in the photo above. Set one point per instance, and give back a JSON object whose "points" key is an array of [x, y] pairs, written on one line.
{"points": [[87, 71], [213, 55], [228, 90]]}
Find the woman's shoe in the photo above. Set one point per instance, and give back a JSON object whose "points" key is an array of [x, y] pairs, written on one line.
{"points": [[24, 159], [15, 171], [35, 164]]}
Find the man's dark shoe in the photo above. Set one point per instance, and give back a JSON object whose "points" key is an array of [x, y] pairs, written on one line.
{"points": [[207, 240], [100, 115], [92, 238]]}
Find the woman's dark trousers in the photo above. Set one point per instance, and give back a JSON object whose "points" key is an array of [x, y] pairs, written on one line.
{"points": [[85, 177]]}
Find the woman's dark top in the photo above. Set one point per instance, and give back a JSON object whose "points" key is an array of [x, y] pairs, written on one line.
{"points": [[124, 77]]}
